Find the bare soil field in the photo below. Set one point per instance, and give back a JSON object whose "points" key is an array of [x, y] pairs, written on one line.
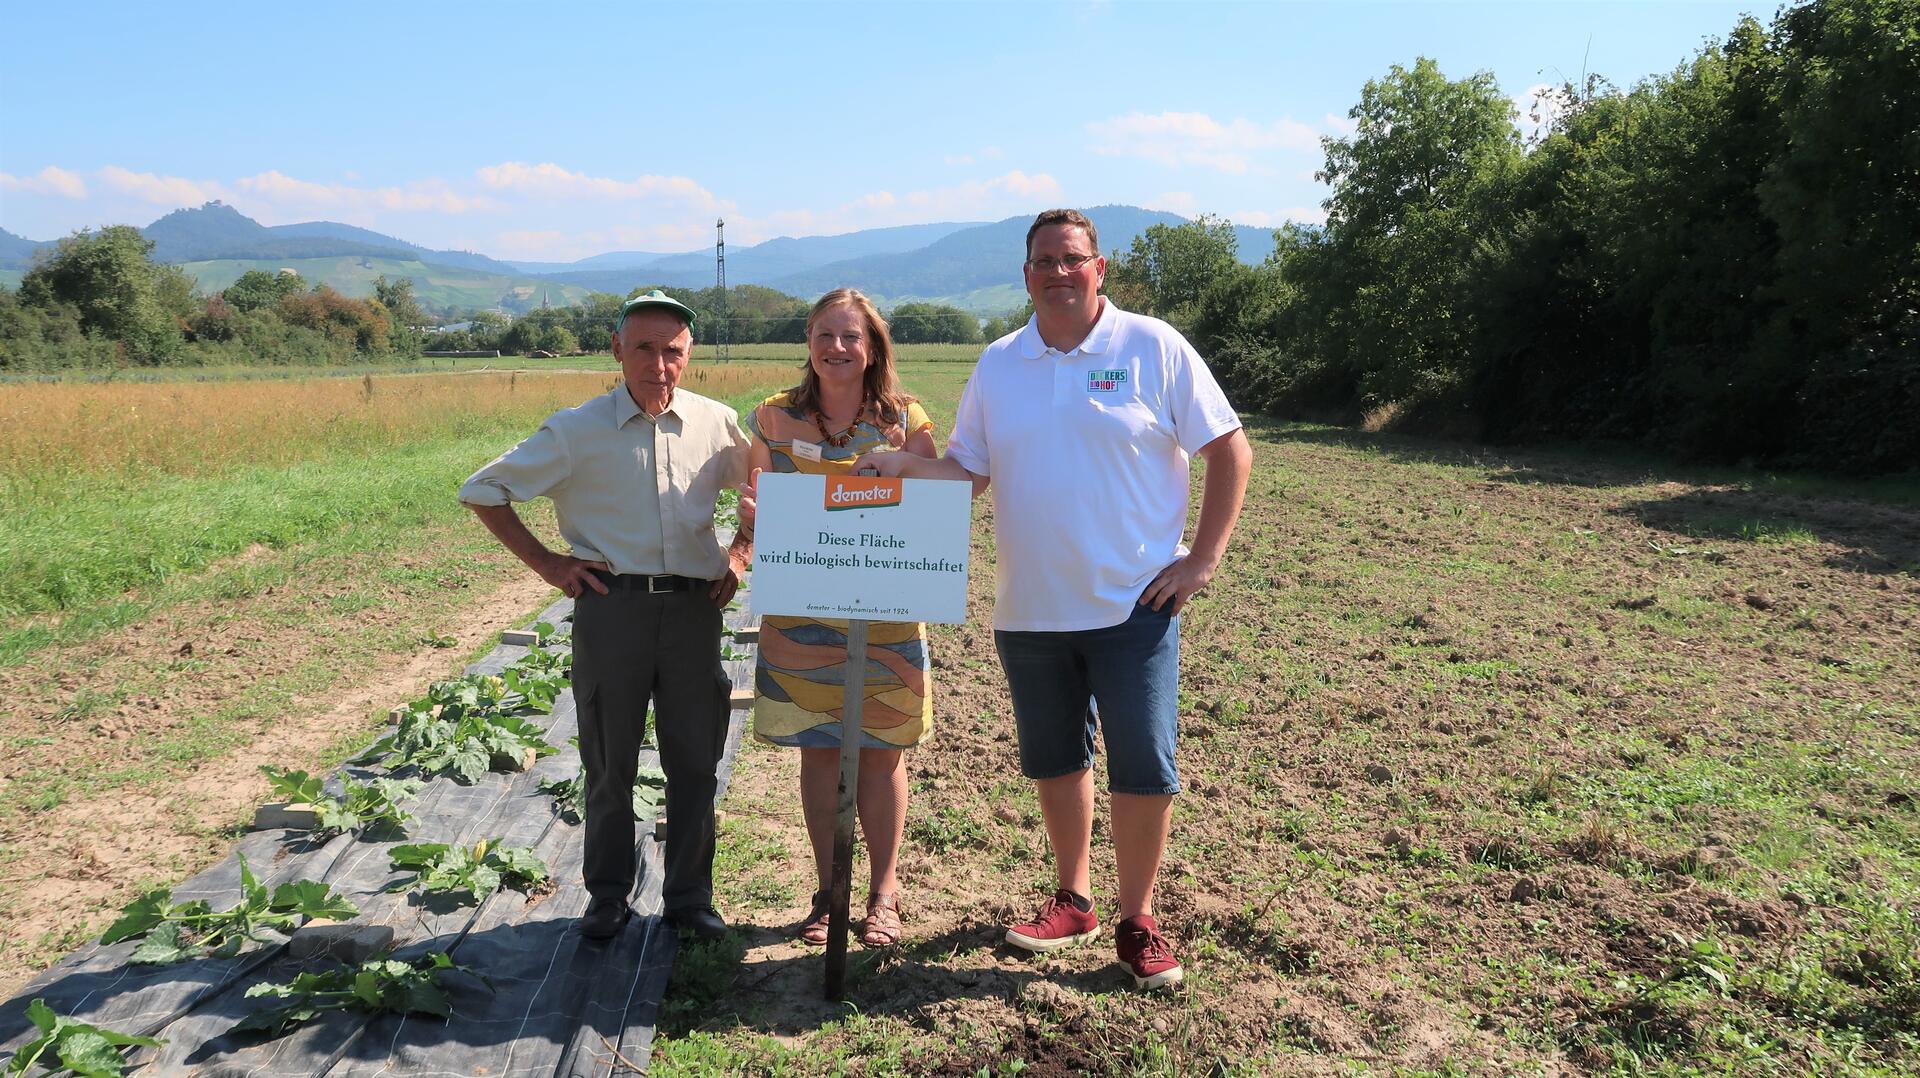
{"points": [[1495, 762]]}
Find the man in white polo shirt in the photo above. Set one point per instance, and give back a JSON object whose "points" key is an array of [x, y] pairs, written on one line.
{"points": [[1085, 422]]}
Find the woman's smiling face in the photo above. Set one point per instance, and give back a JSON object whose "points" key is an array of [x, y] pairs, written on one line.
{"points": [[838, 347]]}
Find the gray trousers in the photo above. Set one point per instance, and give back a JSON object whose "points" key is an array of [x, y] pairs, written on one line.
{"points": [[630, 646]]}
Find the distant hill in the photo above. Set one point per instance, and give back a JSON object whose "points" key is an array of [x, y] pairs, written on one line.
{"points": [[759, 263], [975, 267], [610, 260], [972, 265], [16, 252], [218, 231], [986, 256]]}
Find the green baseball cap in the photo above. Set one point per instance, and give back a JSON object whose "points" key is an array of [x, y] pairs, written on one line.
{"points": [[655, 298]]}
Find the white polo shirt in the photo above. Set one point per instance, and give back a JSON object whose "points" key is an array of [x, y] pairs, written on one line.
{"points": [[1088, 453]]}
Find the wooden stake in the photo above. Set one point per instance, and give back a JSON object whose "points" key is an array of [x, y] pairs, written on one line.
{"points": [[850, 734]]}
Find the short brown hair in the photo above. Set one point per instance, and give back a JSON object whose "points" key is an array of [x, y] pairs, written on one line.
{"points": [[883, 393], [1063, 217]]}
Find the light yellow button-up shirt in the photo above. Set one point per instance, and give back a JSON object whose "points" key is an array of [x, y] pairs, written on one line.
{"points": [[632, 491]]}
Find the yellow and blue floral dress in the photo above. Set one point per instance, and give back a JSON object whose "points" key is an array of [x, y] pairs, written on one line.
{"points": [[800, 674]]}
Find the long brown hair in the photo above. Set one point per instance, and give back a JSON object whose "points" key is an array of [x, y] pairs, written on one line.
{"points": [[882, 393]]}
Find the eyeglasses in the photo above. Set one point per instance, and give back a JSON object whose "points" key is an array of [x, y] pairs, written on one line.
{"points": [[1071, 263]]}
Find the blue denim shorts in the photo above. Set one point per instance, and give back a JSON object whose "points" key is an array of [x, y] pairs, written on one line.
{"points": [[1122, 679]]}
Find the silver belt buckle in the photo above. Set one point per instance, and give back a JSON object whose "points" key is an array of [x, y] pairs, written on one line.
{"points": [[654, 580]]}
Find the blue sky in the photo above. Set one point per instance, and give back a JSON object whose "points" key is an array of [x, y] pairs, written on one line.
{"points": [[529, 132]]}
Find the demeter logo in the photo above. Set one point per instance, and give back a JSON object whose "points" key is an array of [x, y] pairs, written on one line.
{"points": [[861, 492]]}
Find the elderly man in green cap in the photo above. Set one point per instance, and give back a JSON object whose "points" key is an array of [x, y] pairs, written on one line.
{"points": [[633, 475]]}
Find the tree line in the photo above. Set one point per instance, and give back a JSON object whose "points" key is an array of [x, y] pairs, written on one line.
{"points": [[98, 300], [752, 314], [1719, 262]]}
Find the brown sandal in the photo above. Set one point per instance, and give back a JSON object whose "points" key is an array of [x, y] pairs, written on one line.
{"points": [[882, 925], [814, 930]]}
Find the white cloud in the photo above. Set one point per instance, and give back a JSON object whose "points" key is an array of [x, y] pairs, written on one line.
{"points": [[432, 195], [161, 190], [1341, 126], [1194, 138], [551, 180], [541, 210], [51, 180], [954, 160]]}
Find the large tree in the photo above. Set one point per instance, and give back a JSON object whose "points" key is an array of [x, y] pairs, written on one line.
{"points": [[929, 323], [118, 293], [1402, 220], [1170, 267], [258, 290]]}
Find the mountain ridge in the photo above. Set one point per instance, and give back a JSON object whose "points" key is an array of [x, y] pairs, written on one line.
{"points": [[969, 264]]}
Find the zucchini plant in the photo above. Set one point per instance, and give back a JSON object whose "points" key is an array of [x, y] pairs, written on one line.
{"points": [[66, 1045], [381, 984], [367, 806], [466, 746], [169, 931], [467, 725], [480, 870]]}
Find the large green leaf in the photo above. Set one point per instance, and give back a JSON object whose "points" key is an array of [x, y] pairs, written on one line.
{"points": [[166, 943], [424, 996], [138, 917], [314, 899], [86, 1052], [293, 785], [416, 854], [42, 1016], [471, 763]]}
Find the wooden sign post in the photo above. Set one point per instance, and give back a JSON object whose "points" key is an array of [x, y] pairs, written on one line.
{"points": [[850, 735], [831, 547]]}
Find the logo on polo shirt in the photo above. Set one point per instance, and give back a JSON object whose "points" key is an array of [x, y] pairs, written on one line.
{"points": [[861, 492], [1105, 381]]}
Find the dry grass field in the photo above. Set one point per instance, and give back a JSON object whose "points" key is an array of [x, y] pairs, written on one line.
{"points": [[50, 430]]}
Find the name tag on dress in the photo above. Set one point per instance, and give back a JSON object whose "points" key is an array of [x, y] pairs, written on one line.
{"points": [[806, 450], [1105, 381]]}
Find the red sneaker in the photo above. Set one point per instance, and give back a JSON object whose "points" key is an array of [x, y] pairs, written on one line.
{"points": [[1060, 924], [1146, 952]]}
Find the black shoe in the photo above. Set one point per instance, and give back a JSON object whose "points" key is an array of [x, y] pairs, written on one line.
{"points": [[604, 918], [704, 922]]}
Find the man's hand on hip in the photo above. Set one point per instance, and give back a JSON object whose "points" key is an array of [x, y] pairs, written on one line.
{"points": [[722, 590], [1177, 583], [572, 575]]}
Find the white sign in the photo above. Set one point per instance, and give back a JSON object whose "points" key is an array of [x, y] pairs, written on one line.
{"points": [[853, 546]]}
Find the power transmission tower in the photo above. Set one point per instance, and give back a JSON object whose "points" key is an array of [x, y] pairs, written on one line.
{"points": [[720, 283]]}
